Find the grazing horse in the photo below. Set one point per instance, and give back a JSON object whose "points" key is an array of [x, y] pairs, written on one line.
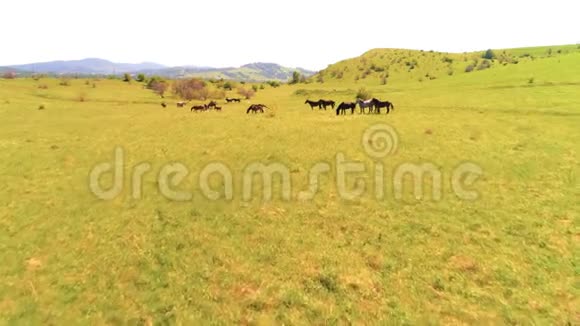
{"points": [[365, 104], [181, 104], [325, 103], [386, 104], [313, 104], [342, 107], [198, 108], [229, 99], [255, 108], [163, 104], [218, 108], [211, 104]]}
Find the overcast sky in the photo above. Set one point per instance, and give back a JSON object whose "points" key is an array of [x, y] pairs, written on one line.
{"points": [[297, 33]]}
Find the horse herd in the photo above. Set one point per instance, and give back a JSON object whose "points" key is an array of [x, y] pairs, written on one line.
{"points": [[373, 105], [212, 105]]}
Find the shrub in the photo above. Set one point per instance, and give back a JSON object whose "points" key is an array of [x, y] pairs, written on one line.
{"points": [[450, 72], [274, 83], [488, 55], [363, 94], [447, 60], [485, 64], [190, 89], [64, 82], [41, 107], [469, 68], [228, 86], [384, 80], [157, 85], [320, 78], [9, 75], [82, 97], [126, 77], [295, 78], [255, 88], [141, 78], [43, 86], [247, 93], [531, 80]]}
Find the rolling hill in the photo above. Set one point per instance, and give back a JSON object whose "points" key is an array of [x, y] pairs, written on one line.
{"points": [[250, 72], [386, 66]]}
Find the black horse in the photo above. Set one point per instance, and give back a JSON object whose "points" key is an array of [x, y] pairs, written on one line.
{"points": [[313, 104], [342, 107], [228, 99], [386, 104], [163, 104], [325, 103], [255, 108], [198, 108]]}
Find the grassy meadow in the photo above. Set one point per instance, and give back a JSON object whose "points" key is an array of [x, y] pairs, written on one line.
{"points": [[509, 257]]}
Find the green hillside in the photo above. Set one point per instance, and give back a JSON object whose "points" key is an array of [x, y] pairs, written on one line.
{"points": [[396, 66]]}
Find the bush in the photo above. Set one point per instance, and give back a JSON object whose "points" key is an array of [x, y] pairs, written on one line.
{"points": [[363, 94], [273, 83], [255, 88], [384, 80], [469, 68], [228, 86], [64, 82], [190, 89], [488, 55], [247, 93], [531, 80], [43, 86], [296, 78], [126, 77], [9, 75], [485, 64], [141, 78], [82, 97], [157, 85]]}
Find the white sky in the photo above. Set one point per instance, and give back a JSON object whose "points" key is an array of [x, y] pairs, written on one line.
{"points": [[297, 33]]}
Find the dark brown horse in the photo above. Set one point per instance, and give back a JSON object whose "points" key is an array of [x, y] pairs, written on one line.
{"points": [[342, 107], [197, 108], [255, 108], [325, 103], [314, 104], [379, 104], [163, 104], [229, 99]]}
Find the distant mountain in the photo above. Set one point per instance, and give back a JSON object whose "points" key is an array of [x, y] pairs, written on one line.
{"points": [[258, 71], [92, 66], [85, 66]]}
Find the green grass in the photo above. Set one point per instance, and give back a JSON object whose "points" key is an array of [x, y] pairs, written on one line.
{"points": [[510, 257]]}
